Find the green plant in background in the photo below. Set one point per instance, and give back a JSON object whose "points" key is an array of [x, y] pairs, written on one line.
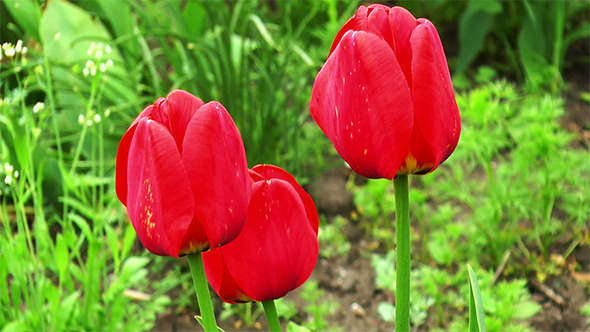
{"points": [[71, 270], [332, 241], [515, 184], [317, 307], [544, 32]]}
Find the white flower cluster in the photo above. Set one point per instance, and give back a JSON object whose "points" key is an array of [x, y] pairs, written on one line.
{"points": [[11, 174], [11, 50], [90, 118], [97, 51]]}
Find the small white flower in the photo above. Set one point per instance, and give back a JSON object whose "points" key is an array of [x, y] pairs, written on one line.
{"points": [[9, 51], [98, 54], [109, 63], [8, 179], [103, 67], [85, 71], [107, 112], [91, 48], [7, 168], [89, 64], [24, 51], [57, 36], [97, 118], [93, 71], [108, 49], [39, 106], [81, 118], [15, 174], [19, 46], [89, 122]]}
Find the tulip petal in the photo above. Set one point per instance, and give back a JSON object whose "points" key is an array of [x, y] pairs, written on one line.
{"points": [[159, 198], [402, 23], [436, 112], [378, 24], [220, 278], [214, 157], [277, 249], [358, 22], [275, 172], [180, 106], [123, 154], [362, 102]]}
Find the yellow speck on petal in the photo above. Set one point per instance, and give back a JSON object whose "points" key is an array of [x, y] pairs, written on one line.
{"points": [[365, 153]]}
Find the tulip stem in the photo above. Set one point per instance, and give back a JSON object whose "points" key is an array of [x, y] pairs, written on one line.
{"points": [[402, 291], [195, 261], [271, 316]]}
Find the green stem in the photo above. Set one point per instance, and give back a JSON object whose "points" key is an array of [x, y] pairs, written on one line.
{"points": [[402, 292], [195, 261], [271, 316]]}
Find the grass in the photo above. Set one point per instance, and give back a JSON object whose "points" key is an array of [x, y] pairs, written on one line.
{"points": [[69, 258]]}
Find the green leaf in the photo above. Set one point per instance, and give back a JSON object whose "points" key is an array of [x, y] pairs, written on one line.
{"points": [[26, 15], [119, 15], [292, 327], [66, 32], [61, 255], [532, 45], [200, 320], [526, 310], [476, 315], [474, 25], [386, 311], [194, 17], [16, 326]]}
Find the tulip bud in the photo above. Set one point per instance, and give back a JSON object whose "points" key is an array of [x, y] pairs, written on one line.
{"points": [[182, 174], [384, 97], [278, 247]]}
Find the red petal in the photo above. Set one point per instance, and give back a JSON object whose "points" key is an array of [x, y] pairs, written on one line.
{"points": [[220, 278], [358, 22], [214, 157], [181, 106], [362, 102], [255, 176], [379, 25], [402, 24], [277, 250], [159, 198], [436, 112], [275, 172], [123, 155]]}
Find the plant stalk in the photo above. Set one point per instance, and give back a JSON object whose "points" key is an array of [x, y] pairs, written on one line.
{"points": [[402, 291], [271, 316], [195, 261]]}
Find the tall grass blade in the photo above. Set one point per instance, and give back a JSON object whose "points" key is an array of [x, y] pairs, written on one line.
{"points": [[476, 318]]}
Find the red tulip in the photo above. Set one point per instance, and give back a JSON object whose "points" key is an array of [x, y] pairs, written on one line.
{"points": [[384, 97], [183, 176], [277, 249]]}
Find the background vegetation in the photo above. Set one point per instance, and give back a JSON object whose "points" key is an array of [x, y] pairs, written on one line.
{"points": [[513, 200]]}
